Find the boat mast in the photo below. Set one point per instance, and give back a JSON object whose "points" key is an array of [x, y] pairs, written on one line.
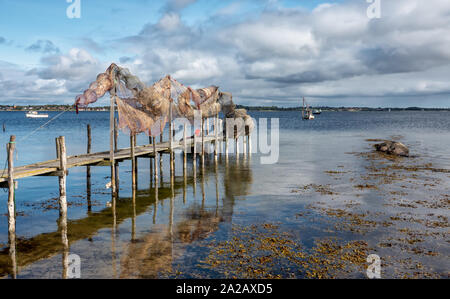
{"points": [[303, 110]]}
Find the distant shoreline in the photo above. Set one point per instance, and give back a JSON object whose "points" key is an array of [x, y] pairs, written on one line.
{"points": [[48, 108]]}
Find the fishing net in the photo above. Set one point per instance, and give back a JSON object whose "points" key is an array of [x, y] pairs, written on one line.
{"points": [[147, 109]]}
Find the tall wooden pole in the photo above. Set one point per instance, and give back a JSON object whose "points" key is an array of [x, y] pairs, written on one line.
{"points": [[156, 162], [88, 170], [63, 203], [62, 176], [133, 162], [171, 141], [161, 159], [116, 148], [226, 138], [236, 142], [184, 147], [203, 144], [249, 137], [216, 135], [11, 205], [111, 143], [151, 163]]}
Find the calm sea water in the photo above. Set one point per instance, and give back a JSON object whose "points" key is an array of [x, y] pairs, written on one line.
{"points": [[173, 232]]}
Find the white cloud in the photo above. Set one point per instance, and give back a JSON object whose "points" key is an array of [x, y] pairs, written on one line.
{"points": [[333, 52]]}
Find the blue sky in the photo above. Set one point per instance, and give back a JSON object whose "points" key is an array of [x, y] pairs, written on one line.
{"points": [[266, 52]]}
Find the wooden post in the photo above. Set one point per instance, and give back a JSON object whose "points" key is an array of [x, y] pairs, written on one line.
{"points": [[216, 135], [236, 138], [116, 148], [151, 163], [184, 147], [184, 162], [89, 139], [11, 205], [136, 165], [161, 159], [111, 143], [244, 142], [116, 135], [156, 162], [63, 202], [203, 136], [133, 163], [249, 137], [226, 138], [62, 177], [194, 158], [171, 141], [88, 170]]}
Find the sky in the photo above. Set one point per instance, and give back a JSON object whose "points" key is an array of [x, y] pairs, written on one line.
{"points": [[266, 52]]}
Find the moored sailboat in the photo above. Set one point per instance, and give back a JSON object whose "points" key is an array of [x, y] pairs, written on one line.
{"points": [[306, 111]]}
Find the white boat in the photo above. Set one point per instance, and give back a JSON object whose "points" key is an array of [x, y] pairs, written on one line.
{"points": [[306, 111], [34, 114]]}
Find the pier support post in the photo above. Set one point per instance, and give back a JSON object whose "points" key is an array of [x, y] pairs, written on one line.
{"points": [[184, 147], [88, 171], [133, 162], [156, 162], [244, 143], [194, 158], [216, 135], [11, 205], [111, 143], [236, 143], [203, 144], [249, 138], [203, 136], [116, 148], [62, 177], [172, 170], [151, 163], [161, 160], [63, 202], [226, 139]]}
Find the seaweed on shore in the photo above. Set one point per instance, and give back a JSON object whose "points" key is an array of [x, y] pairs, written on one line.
{"points": [[264, 251]]}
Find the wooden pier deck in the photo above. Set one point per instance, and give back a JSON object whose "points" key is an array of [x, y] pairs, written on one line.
{"points": [[51, 167]]}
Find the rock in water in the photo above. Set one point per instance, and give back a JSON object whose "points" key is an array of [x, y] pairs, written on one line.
{"points": [[393, 148]]}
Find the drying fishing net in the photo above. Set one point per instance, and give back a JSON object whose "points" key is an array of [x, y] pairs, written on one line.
{"points": [[147, 109]]}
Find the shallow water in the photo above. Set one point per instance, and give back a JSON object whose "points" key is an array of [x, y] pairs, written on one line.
{"points": [[170, 235]]}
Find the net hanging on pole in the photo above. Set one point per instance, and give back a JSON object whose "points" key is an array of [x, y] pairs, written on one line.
{"points": [[145, 109]]}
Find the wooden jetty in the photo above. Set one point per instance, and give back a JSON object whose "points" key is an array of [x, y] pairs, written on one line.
{"points": [[59, 167], [51, 167]]}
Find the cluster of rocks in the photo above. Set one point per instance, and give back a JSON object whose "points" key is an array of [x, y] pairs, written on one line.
{"points": [[393, 148]]}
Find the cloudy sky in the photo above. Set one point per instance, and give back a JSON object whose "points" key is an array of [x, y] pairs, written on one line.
{"points": [[266, 52]]}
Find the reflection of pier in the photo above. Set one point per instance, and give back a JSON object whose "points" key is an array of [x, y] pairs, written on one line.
{"points": [[154, 253], [194, 224]]}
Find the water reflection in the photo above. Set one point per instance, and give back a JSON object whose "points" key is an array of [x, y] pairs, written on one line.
{"points": [[154, 252], [145, 254]]}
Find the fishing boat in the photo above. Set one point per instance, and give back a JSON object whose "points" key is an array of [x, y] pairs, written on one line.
{"points": [[35, 114], [306, 111]]}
